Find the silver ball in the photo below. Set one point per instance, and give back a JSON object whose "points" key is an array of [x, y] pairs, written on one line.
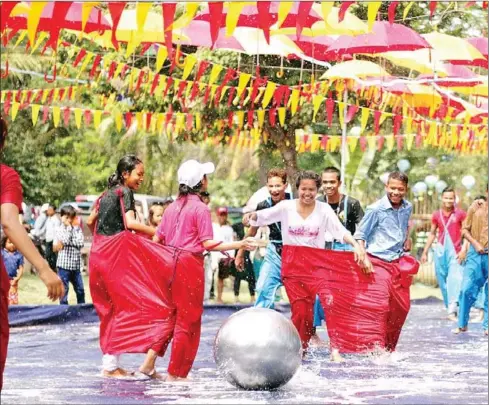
{"points": [[258, 349]]}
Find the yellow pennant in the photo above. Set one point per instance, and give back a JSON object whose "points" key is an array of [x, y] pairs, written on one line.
{"points": [[161, 57], [244, 78], [364, 119], [213, 93], [198, 121], [14, 110], [44, 97], [216, 70], [317, 100], [35, 113], [261, 118], [315, 143], [118, 70], [56, 116], [78, 117], [142, 9], [389, 142], [2, 96], [372, 142], [409, 141], [86, 61], [87, 7], [190, 62], [409, 125], [223, 92], [383, 116], [283, 11], [97, 118], [240, 115], [190, 11], [118, 121], [281, 115], [454, 137], [294, 101], [188, 89], [42, 36], [352, 143], [232, 16], [406, 10], [20, 39], [326, 7], [180, 121], [269, 92], [33, 19], [341, 113]]}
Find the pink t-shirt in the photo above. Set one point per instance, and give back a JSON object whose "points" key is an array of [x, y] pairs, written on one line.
{"points": [[186, 223], [454, 223]]}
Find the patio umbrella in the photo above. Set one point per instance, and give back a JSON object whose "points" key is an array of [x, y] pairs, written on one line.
{"points": [[49, 16], [455, 76], [420, 60], [383, 38], [480, 44], [316, 47], [455, 50], [354, 69]]}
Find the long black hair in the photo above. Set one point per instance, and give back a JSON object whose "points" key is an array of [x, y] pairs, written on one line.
{"points": [[184, 190], [127, 164], [3, 131], [308, 175]]}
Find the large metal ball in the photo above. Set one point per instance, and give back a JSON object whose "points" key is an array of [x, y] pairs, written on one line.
{"points": [[258, 349]]}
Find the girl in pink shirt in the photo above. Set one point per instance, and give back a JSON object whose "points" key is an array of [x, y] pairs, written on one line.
{"points": [[187, 227]]}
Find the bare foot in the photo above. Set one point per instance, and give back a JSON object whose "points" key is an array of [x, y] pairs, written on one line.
{"points": [[252, 299], [452, 317], [172, 378], [336, 357], [459, 330], [117, 373], [220, 301], [153, 374], [316, 341]]}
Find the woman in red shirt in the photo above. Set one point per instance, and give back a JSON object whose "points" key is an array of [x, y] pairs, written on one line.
{"points": [[187, 228], [10, 206]]}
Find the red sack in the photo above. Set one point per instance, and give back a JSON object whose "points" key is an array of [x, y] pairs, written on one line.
{"points": [[129, 284]]}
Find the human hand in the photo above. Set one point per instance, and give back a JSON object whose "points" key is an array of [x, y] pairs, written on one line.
{"points": [[246, 219], [478, 247], [248, 243], [407, 245], [239, 262], [462, 256], [424, 258], [14, 282], [53, 283]]}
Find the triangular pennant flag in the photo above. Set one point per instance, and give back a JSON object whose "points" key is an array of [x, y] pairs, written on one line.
{"points": [[56, 116], [232, 16], [317, 100], [216, 70], [244, 78], [373, 8], [294, 101], [97, 118], [352, 143], [409, 141], [66, 116], [35, 113], [341, 113], [261, 118], [389, 141], [14, 110], [33, 19], [281, 115], [78, 117], [161, 56], [190, 62], [364, 119], [371, 142], [406, 10], [240, 115], [284, 9]]}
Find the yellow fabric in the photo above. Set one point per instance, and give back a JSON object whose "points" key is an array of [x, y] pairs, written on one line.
{"points": [[35, 112], [33, 19]]}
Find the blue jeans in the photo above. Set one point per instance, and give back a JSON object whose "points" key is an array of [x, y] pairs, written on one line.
{"points": [[319, 316], [270, 279], [449, 274], [475, 277], [74, 277]]}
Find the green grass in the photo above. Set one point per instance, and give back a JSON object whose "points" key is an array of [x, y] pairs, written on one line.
{"points": [[33, 292]]}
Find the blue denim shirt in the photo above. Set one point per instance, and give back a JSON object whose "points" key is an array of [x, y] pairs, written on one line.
{"points": [[385, 229]]}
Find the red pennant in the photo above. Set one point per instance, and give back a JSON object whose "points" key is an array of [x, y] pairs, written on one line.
{"points": [[29, 96], [470, 3], [181, 88], [145, 47], [264, 18], [278, 95], [190, 122], [380, 143], [287, 95], [485, 4], [18, 96], [350, 114], [230, 119], [169, 115], [128, 119], [45, 114], [6, 106], [168, 19], [61, 93], [70, 92], [88, 117], [232, 93], [442, 111], [399, 142], [345, 5], [329, 110], [215, 12], [112, 68], [363, 143], [66, 115], [392, 11], [50, 96], [272, 116], [203, 65], [302, 16], [96, 63], [324, 142], [377, 115], [195, 91], [169, 82], [432, 8], [155, 83], [115, 10], [124, 70], [79, 57], [251, 118], [207, 94], [397, 124], [6, 9], [148, 119], [141, 76], [38, 97]]}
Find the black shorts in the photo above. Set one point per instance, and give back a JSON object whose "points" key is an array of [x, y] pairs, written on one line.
{"points": [[226, 268]]}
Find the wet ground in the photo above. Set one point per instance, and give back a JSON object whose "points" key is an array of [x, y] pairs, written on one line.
{"points": [[60, 363]]}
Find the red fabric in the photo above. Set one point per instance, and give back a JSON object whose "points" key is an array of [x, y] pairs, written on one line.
{"points": [[186, 223], [454, 227], [10, 193], [129, 283], [362, 312]]}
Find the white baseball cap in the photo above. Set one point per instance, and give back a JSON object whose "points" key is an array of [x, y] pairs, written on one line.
{"points": [[44, 207], [192, 172]]}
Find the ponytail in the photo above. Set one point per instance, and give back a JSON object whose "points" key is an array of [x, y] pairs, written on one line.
{"points": [[184, 190], [127, 164]]}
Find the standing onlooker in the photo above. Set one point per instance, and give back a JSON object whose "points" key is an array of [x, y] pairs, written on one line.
{"points": [[14, 264], [69, 243], [38, 233], [208, 271], [475, 271], [224, 264], [52, 223], [448, 222], [156, 211]]}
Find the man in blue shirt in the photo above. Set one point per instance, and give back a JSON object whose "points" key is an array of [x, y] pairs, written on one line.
{"points": [[384, 233]]}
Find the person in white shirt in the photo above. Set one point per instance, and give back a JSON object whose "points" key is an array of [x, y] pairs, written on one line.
{"points": [[305, 222], [223, 263], [52, 223]]}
